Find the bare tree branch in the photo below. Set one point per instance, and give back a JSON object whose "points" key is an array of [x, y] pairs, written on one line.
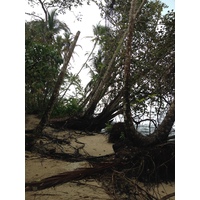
{"points": [[32, 14], [44, 9]]}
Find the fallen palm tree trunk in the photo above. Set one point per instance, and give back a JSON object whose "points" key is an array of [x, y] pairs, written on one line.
{"points": [[67, 176]]}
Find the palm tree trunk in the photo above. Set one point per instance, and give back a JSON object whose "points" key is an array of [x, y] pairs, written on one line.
{"points": [[52, 101]]}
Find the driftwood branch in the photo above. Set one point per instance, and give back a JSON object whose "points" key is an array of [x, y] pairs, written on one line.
{"points": [[32, 14]]}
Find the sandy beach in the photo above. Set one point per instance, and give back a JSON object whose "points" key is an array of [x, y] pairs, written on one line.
{"points": [[37, 167]]}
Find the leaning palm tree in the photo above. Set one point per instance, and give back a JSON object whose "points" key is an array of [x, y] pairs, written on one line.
{"points": [[100, 34]]}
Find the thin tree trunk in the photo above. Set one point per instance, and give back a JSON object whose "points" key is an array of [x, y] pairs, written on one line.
{"points": [[129, 126], [80, 69], [46, 116], [44, 9]]}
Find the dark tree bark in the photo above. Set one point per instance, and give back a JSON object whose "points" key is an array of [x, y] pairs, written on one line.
{"points": [[52, 101], [44, 9]]}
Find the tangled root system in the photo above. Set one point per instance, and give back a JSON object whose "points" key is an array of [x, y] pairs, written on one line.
{"points": [[148, 166], [151, 164]]}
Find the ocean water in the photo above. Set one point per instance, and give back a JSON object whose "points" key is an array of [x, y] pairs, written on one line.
{"points": [[146, 129]]}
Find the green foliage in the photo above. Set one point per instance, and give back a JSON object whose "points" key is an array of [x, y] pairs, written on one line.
{"points": [[41, 68], [152, 58], [108, 127], [69, 107], [42, 60]]}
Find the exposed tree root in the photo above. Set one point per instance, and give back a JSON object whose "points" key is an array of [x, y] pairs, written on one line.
{"points": [[119, 172], [120, 176], [149, 164]]}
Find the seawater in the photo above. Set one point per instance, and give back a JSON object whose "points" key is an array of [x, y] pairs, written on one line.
{"points": [[146, 129]]}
